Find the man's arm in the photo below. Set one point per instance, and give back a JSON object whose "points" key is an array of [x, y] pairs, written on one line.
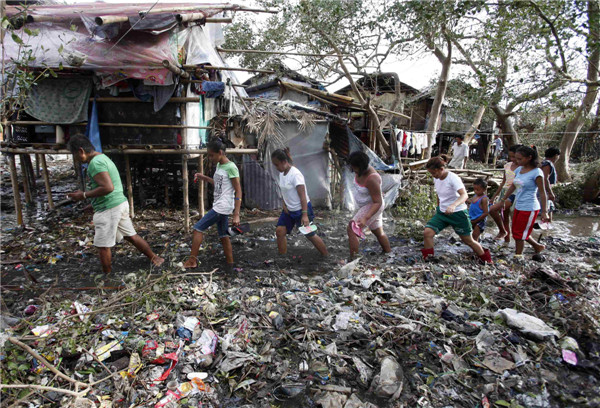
{"points": [[105, 187], [546, 170], [237, 200]]}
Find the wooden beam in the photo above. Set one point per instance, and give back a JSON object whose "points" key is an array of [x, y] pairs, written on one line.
{"points": [[26, 186], [14, 180], [127, 151], [176, 70], [301, 54], [47, 180], [129, 186], [175, 99], [201, 186], [132, 125], [184, 174]]}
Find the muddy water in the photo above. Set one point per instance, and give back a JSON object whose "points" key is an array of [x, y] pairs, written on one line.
{"points": [[576, 226]]}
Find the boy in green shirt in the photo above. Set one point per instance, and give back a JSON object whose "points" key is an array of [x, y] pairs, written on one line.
{"points": [[111, 210]]}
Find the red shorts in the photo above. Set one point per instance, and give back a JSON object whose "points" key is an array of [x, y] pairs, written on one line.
{"points": [[522, 224]]}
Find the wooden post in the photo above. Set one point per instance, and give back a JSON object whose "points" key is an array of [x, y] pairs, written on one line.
{"points": [[14, 180], [37, 165], [201, 186], [184, 173], [42, 158], [77, 167], [129, 186], [26, 186]]}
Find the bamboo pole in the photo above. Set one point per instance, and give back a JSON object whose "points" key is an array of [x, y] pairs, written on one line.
{"points": [[302, 54], [176, 70], [129, 186], [26, 186], [133, 125], [127, 151], [184, 173], [208, 67], [14, 180], [201, 186], [46, 180], [185, 17], [129, 99], [37, 166]]}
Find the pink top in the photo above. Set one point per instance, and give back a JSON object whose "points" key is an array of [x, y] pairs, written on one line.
{"points": [[509, 175]]}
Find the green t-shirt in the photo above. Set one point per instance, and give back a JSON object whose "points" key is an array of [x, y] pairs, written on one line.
{"points": [[98, 164]]}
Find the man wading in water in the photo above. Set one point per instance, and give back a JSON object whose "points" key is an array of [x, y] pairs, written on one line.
{"points": [[111, 210]]}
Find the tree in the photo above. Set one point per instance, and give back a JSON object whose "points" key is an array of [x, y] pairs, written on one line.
{"points": [[591, 91]]}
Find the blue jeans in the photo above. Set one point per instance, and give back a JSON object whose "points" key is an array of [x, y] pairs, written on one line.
{"points": [[210, 218]]}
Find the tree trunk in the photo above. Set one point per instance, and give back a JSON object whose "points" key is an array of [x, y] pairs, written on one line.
{"points": [[511, 137], [591, 91], [440, 93], [475, 124]]}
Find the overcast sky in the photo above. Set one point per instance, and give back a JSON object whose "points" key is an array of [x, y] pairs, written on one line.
{"points": [[417, 72]]}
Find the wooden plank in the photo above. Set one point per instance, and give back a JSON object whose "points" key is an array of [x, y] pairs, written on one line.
{"points": [[201, 186], [127, 151]]}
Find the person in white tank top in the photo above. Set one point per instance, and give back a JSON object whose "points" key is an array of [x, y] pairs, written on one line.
{"points": [[369, 199]]}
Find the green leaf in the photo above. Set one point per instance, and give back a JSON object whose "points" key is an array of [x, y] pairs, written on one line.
{"points": [[502, 403], [28, 31], [24, 367], [60, 49], [52, 73], [73, 27], [17, 39], [12, 365]]}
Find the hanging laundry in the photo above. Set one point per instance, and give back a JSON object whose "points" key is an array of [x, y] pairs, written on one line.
{"points": [[213, 89], [92, 130], [60, 100], [160, 94]]}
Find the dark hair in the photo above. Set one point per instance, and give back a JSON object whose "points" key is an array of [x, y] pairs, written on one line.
{"points": [[514, 148], [530, 152], [461, 137], [80, 142], [216, 145], [282, 155], [551, 152], [437, 162], [480, 182], [361, 160]]}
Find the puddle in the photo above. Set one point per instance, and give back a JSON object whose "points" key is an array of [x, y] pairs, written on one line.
{"points": [[576, 226]]}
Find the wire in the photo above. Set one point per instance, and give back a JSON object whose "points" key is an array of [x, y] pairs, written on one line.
{"points": [[131, 28]]}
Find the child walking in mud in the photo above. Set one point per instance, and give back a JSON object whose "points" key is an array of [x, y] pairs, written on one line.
{"points": [[297, 209], [369, 198], [500, 211], [478, 207], [529, 179], [227, 200], [551, 156], [451, 210]]}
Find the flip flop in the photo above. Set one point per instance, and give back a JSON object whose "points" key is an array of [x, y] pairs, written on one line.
{"points": [[357, 230]]}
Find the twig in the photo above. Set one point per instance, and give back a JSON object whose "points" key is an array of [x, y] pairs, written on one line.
{"points": [[45, 388], [46, 363]]}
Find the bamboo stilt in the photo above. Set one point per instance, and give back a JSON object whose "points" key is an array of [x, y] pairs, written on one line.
{"points": [[37, 166], [184, 174], [14, 180], [129, 186], [26, 186], [47, 180], [201, 186]]}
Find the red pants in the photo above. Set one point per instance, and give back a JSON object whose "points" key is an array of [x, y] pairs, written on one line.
{"points": [[522, 224]]}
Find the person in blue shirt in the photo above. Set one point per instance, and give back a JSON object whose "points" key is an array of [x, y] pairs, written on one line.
{"points": [[529, 179], [479, 207]]}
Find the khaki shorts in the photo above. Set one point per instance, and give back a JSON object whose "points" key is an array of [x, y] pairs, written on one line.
{"points": [[112, 225]]}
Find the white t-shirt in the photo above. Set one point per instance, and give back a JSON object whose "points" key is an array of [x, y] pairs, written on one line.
{"points": [[288, 183], [459, 152], [447, 191], [224, 193]]}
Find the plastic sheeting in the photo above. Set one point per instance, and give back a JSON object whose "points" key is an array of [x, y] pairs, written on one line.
{"points": [[390, 186], [306, 148]]}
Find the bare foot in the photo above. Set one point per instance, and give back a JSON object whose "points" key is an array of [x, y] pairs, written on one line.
{"points": [[539, 248], [501, 235], [191, 263], [507, 239], [158, 261]]}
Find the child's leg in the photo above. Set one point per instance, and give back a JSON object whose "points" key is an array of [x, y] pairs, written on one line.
{"points": [[496, 213], [519, 245], [319, 244], [476, 233], [226, 242], [197, 239], [383, 239], [281, 233], [475, 246], [536, 245], [507, 204], [428, 235], [352, 240]]}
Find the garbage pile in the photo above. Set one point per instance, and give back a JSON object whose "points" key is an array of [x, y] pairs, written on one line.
{"points": [[380, 331]]}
